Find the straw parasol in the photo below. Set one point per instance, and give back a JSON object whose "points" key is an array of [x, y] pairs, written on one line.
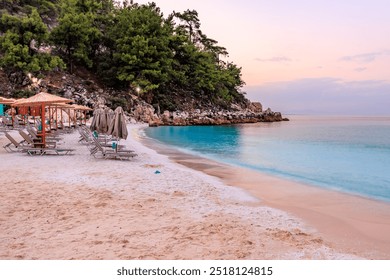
{"points": [[63, 107], [6, 101], [42, 99], [118, 126], [82, 108]]}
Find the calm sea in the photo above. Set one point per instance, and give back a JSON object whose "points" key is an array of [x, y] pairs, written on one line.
{"points": [[349, 154]]}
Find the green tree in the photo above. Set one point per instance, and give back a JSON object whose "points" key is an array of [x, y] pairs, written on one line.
{"points": [[198, 61], [20, 43], [47, 9], [127, 46], [76, 32], [141, 50]]}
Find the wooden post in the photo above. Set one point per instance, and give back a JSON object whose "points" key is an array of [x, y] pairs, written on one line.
{"points": [[43, 122], [12, 116], [56, 117], [49, 117], [69, 118]]}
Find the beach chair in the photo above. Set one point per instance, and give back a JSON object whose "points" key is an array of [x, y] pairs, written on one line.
{"points": [[14, 145], [3, 125], [87, 137], [109, 153], [34, 134], [36, 148], [48, 151], [36, 142]]}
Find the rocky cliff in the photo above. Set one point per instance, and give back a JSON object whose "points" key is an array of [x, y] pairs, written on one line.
{"points": [[85, 89]]}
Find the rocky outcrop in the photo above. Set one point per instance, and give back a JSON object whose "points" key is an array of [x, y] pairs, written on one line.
{"points": [[198, 117], [144, 112], [256, 107], [83, 89]]}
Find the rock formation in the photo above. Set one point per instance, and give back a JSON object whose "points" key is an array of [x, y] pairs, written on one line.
{"points": [[84, 90]]}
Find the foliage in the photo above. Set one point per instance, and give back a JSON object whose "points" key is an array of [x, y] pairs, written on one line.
{"points": [[22, 93], [141, 51], [21, 39], [47, 9], [75, 33], [129, 46]]}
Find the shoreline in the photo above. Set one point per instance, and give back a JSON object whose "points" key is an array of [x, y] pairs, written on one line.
{"points": [[352, 223], [81, 207]]}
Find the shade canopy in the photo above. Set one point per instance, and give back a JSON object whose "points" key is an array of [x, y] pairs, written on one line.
{"points": [[42, 98], [61, 105], [81, 107], [6, 101]]}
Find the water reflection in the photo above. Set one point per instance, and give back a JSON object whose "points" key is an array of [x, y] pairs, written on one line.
{"points": [[207, 140], [351, 154]]}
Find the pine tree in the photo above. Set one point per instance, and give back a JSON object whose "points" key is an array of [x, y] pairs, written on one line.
{"points": [[20, 43], [75, 33]]}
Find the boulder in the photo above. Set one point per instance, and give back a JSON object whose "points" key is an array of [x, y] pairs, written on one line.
{"points": [[256, 107]]}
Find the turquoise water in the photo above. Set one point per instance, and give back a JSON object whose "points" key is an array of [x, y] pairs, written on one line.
{"points": [[350, 154]]}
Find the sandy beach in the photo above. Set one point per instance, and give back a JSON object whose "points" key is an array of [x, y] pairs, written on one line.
{"points": [[80, 207]]}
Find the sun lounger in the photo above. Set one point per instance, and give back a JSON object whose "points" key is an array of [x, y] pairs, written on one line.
{"points": [[47, 151], [109, 153], [87, 137], [35, 143], [34, 135], [14, 145]]}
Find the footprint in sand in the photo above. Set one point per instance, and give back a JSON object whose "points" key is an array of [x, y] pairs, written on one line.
{"points": [[178, 194]]}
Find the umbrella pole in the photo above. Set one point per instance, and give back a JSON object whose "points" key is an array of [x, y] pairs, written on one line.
{"points": [[12, 116], [43, 125], [49, 117], [55, 110], [62, 121]]}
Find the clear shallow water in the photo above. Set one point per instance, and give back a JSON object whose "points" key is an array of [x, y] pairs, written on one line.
{"points": [[351, 154]]}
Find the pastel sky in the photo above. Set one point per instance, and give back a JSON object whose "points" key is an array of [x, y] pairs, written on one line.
{"points": [[304, 56]]}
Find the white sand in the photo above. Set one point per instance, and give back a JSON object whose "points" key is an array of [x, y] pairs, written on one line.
{"points": [[79, 207]]}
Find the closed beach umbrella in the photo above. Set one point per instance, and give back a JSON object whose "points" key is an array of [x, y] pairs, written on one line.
{"points": [[97, 115], [101, 120], [109, 114], [118, 128]]}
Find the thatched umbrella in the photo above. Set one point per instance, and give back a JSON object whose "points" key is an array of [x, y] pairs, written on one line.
{"points": [[43, 99], [63, 108], [6, 101], [83, 109], [118, 128]]}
